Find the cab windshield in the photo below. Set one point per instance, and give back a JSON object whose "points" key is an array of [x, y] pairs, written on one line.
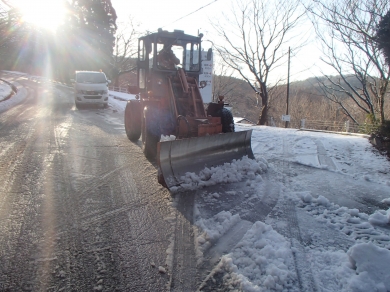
{"points": [[173, 53]]}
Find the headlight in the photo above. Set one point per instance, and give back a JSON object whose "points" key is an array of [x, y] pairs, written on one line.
{"points": [[104, 91], [79, 91]]}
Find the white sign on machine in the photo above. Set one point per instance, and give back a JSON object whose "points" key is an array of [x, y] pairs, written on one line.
{"points": [[206, 78]]}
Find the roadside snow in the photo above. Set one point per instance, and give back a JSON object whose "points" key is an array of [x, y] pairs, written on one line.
{"points": [[118, 100], [264, 259], [380, 217], [362, 267], [5, 90], [213, 228], [235, 171], [261, 261], [16, 98]]}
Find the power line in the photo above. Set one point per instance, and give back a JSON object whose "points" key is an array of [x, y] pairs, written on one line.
{"points": [[190, 13]]}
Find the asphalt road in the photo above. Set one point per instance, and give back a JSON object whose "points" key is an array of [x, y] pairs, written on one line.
{"points": [[80, 206]]}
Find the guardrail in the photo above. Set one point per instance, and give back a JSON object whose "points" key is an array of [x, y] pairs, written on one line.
{"points": [[118, 89], [344, 126]]}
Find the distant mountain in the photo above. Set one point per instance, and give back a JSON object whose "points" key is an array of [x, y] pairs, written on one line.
{"points": [[243, 99]]}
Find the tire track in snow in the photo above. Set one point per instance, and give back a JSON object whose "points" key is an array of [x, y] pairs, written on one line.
{"points": [[183, 274], [323, 158], [305, 279]]}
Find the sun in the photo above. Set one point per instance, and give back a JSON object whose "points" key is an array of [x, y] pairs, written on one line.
{"points": [[48, 14]]}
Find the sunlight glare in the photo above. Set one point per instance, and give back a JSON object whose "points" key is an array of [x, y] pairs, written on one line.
{"points": [[47, 14]]}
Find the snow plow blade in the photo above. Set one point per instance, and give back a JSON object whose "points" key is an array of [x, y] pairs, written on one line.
{"points": [[177, 157]]}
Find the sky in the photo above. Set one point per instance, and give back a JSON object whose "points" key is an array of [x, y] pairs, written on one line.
{"points": [[349, 247], [191, 16], [195, 16], [43, 13], [166, 14]]}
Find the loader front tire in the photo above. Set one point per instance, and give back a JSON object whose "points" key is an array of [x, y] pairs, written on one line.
{"points": [[150, 133], [227, 121], [133, 120]]}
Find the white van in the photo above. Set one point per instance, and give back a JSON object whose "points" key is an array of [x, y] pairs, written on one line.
{"points": [[90, 87]]}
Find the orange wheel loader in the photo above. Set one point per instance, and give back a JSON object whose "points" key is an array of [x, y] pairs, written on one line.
{"points": [[169, 103]]}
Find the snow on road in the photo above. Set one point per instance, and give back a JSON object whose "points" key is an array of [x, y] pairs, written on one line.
{"points": [[5, 90], [264, 259], [346, 248], [353, 256], [16, 98]]}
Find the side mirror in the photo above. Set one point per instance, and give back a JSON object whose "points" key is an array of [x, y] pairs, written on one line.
{"points": [[108, 81], [209, 54]]}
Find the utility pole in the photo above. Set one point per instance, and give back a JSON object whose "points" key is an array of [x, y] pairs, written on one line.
{"points": [[288, 86]]}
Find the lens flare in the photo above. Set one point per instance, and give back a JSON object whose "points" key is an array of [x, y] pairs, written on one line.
{"points": [[48, 14]]}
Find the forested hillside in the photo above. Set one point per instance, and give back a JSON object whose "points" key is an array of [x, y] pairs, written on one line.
{"points": [[307, 100]]}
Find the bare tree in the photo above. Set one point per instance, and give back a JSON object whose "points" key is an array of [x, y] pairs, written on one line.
{"points": [[223, 81], [125, 50], [254, 40], [346, 30], [305, 103]]}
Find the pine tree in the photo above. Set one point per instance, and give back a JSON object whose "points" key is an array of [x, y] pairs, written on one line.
{"points": [[90, 30]]}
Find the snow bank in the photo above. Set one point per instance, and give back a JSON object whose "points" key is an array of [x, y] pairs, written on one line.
{"points": [[209, 230], [261, 261], [372, 265], [121, 95], [386, 201], [332, 269], [366, 265], [236, 171], [357, 225], [16, 99], [5, 90], [380, 217]]}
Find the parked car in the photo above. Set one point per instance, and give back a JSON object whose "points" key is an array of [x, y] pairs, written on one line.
{"points": [[90, 87]]}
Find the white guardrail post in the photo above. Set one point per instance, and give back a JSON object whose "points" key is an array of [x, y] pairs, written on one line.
{"points": [[303, 123], [347, 126]]}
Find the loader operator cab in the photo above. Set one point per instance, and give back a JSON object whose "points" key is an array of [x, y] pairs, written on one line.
{"points": [[166, 58], [162, 53]]}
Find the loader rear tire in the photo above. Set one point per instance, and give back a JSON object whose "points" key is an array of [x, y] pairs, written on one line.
{"points": [[133, 120], [227, 121], [151, 133]]}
